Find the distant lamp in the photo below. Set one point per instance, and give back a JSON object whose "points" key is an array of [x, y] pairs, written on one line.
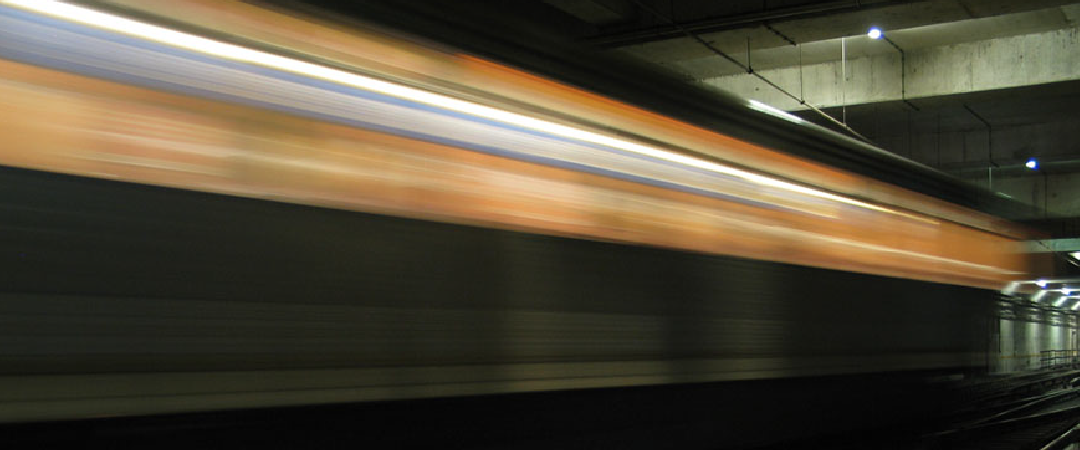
{"points": [[1041, 283], [1075, 255], [1032, 164], [875, 33]]}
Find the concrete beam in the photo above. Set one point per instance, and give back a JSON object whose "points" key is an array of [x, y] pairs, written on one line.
{"points": [[859, 46], [1007, 62], [672, 46], [1053, 245]]}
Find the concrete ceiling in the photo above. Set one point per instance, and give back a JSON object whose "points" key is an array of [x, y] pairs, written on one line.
{"points": [[858, 46]]}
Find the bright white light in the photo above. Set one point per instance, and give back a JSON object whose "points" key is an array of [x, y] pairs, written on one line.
{"points": [[758, 106], [1041, 283], [875, 33], [1076, 306], [1066, 292], [1075, 255], [1059, 301], [192, 42], [1031, 164]]}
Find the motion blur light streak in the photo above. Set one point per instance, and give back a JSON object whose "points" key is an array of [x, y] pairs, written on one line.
{"points": [[758, 106], [208, 46], [447, 159]]}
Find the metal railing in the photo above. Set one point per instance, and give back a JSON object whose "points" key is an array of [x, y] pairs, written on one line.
{"points": [[1055, 359]]}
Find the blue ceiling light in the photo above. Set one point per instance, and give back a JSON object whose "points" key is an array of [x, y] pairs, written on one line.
{"points": [[875, 33], [1032, 164]]}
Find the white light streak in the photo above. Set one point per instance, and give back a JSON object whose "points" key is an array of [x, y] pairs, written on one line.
{"points": [[772, 111], [98, 19]]}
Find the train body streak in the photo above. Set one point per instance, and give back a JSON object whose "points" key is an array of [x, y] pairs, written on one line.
{"points": [[403, 221]]}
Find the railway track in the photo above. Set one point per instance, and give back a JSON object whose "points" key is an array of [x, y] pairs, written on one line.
{"points": [[1020, 424]]}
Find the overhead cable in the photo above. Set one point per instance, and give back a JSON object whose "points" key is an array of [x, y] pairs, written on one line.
{"points": [[750, 70]]}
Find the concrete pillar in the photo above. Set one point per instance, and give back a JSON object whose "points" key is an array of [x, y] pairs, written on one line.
{"points": [[1032, 344], [1005, 359]]}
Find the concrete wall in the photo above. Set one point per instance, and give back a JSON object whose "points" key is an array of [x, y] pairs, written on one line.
{"points": [[966, 154], [1057, 193], [920, 137]]}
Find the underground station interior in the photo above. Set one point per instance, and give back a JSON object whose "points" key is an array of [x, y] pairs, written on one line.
{"points": [[682, 224]]}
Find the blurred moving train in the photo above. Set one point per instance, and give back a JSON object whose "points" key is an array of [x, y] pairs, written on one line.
{"points": [[212, 204]]}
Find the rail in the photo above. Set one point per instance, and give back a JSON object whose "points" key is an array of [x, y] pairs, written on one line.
{"points": [[1071, 436]]}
